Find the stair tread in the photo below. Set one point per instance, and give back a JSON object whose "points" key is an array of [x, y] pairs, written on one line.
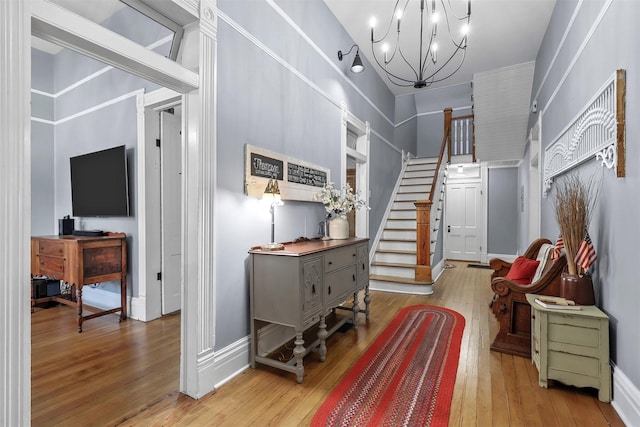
{"points": [[393, 264], [399, 240], [399, 229], [395, 251], [398, 279]]}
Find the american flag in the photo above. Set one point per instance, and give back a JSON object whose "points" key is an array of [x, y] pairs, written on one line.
{"points": [[586, 255], [558, 248]]}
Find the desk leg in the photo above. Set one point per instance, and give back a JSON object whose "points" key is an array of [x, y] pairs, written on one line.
{"points": [[79, 304], [123, 298]]}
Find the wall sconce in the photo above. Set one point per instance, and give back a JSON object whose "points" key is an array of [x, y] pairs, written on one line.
{"points": [[272, 195], [357, 66]]}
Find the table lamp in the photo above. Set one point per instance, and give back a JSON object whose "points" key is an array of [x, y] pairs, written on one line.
{"points": [[272, 194]]}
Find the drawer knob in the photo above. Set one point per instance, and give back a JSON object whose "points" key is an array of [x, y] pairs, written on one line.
{"points": [[330, 262], [329, 290], [354, 277], [313, 289]]}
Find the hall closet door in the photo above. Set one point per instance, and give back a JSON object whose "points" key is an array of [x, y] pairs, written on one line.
{"points": [[170, 207]]}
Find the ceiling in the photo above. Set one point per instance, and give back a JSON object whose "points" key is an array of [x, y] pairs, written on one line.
{"points": [[502, 33]]}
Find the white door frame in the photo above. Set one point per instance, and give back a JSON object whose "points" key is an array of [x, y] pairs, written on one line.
{"points": [[535, 182], [361, 156], [46, 20]]}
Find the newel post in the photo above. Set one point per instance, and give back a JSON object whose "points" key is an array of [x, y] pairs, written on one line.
{"points": [[447, 130], [423, 241]]}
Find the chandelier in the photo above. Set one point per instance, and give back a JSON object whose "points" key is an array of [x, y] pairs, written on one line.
{"points": [[427, 68]]}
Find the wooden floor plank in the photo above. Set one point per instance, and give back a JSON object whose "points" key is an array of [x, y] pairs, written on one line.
{"points": [[127, 373]]}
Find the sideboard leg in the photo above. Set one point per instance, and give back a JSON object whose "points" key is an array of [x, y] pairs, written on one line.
{"points": [[322, 335], [298, 352], [356, 310], [367, 301]]}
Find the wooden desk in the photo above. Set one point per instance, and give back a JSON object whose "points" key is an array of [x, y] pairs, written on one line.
{"points": [[302, 286], [79, 261]]}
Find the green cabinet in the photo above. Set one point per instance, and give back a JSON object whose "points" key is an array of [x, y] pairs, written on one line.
{"points": [[571, 346]]}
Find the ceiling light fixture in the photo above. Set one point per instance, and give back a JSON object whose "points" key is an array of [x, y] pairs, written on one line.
{"points": [[357, 66], [428, 69]]}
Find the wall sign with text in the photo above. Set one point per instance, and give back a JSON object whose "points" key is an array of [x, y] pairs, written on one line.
{"points": [[298, 180]]}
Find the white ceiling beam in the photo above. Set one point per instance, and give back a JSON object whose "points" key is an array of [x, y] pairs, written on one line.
{"points": [[57, 25]]}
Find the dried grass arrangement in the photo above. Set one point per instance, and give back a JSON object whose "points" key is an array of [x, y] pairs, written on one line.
{"points": [[575, 202]]}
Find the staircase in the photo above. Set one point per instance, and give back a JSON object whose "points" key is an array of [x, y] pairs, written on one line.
{"points": [[393, 266]]}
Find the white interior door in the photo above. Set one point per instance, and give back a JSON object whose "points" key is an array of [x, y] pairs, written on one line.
{"points": [[463, 221], [170, 207]]}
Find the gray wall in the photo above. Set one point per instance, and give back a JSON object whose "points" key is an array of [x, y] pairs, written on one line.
{"points": [[572, 80], [263, 103], [42, 145], [430, 105], [502, 210]]}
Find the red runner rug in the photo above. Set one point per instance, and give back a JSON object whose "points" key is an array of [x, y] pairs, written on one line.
{"points": [[405, 378]]}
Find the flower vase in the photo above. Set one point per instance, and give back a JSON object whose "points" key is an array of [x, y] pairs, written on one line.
{"points": [[339, 227], [577, 288]]}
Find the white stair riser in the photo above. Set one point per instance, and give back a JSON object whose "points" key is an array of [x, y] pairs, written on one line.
{"points": [[395, 258], [403, 215], [397, 246], [412, 196], [422, 165], [417, 174], [399, 234], [414, 188], [401, 223], [381, 285], [408, 204], [404, 272], [422, 181]]}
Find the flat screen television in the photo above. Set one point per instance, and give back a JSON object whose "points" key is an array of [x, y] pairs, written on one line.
{"points": [[99, 183]]}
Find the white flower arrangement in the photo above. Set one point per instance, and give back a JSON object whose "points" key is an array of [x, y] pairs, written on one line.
{"points": [[339, 201]]}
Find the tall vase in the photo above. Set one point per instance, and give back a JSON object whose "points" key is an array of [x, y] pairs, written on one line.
{"points": [[577, 288], [339, 227]]}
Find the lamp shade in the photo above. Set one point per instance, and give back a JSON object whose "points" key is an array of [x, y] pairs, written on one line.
{"points": [[357, 66]]}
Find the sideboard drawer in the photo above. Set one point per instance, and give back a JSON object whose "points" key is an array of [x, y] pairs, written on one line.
{"points": [[339, 285], [339, 258]]}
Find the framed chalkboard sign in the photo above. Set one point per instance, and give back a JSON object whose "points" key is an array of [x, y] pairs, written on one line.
{"points": [[298, 180]]}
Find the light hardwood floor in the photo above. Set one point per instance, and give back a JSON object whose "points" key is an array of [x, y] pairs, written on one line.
{"points": [[128, 374]]}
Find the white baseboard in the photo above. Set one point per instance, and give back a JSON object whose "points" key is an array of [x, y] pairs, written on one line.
{"points": [[506, 257], [626, 398], [437, 271], [231, 361], [138, 309], [99, 298]]}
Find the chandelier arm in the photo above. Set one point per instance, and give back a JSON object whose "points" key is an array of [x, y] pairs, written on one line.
{"points": [[449, 75], [426, 55], [388, 27], [388, 73], [460, 18]]}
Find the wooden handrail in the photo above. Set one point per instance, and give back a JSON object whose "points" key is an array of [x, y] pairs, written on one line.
{"points": [[446, 142]]}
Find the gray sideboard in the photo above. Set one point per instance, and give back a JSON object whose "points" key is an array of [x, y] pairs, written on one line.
{"points": [[299, 287]]}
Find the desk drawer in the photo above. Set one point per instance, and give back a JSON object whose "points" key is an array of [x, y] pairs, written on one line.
{"points": [[52, 267], [54, 249], [339, 258]]}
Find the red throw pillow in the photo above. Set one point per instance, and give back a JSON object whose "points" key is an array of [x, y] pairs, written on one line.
{"points": [[522, 270]]}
